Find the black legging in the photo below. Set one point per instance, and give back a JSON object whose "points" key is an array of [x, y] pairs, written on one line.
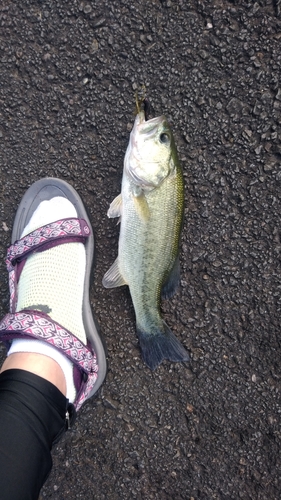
{"points": [[32, 419]]}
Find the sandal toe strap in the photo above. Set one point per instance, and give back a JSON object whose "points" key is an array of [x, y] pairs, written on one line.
{"points": [[61, 231], [48, 236]]}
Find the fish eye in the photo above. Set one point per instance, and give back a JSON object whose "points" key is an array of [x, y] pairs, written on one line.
{"points": [[164, 138]]}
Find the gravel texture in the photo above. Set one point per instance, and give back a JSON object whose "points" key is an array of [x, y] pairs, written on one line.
{"points": [[68, 73]]}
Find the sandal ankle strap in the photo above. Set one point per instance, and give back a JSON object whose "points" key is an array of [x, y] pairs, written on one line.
{"points": [[37, 325]]}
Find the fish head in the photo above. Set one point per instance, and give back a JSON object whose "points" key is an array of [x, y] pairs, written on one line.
{"points": [[148, 159]]}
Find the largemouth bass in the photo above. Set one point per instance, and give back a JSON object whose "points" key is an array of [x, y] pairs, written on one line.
{"points": [[150, 208]]}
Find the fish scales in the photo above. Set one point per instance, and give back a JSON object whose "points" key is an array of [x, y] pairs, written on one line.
{"points": [[151, 211], [145, 266]]}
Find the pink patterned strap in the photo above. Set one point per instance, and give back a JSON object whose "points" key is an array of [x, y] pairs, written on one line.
{"points": [[43, 238], [63, 230], [37, 325]]}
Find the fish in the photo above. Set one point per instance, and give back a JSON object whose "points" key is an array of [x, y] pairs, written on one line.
{"points": [[150, 211]]}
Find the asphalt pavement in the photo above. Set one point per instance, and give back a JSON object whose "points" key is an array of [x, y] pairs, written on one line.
{"points": [[208, 429]]}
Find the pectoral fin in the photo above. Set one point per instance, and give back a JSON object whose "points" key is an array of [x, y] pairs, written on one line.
{"points": [[113, 277], [142, 207], [171, 284], [115, 208]]}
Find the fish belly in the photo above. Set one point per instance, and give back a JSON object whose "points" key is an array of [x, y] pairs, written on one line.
{"points": [[148, 248]]}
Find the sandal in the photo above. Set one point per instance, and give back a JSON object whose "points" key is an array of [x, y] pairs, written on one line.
{"points": [[89, 361]]}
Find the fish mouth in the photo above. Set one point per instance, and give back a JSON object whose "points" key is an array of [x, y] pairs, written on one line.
{"points": [[149, 127], [152, 122]]}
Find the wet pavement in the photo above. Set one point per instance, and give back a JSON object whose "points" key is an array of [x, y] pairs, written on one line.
{"points": [[68, 73]]}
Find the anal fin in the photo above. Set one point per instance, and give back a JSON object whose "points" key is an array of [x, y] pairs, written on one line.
{"points": [[113, 277]]}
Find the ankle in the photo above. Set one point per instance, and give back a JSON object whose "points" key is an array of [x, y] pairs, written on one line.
{"points": [[40, 365]]}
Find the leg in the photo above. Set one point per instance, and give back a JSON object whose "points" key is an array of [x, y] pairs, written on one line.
{"points": [[41, 365], [47, 365], [32, 418]]}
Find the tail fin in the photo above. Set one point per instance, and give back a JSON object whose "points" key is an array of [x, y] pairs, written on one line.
{"points": [[156, 347]]}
